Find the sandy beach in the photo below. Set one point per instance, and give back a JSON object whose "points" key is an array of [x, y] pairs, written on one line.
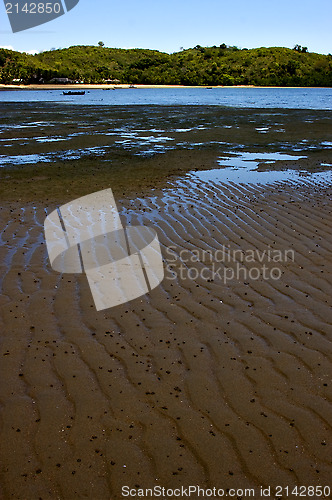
{"points": [[205, 381], [87, 86]]}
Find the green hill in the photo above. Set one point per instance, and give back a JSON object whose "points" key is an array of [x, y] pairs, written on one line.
{"points": [[221, 65]]}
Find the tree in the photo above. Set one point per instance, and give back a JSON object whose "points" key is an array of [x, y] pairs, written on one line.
{"points": [[203, 66], [101, 44], [298, 48]]}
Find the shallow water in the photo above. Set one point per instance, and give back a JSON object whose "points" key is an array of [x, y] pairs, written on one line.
{"points": [[260, 97], [252, 176], [127, 146]]}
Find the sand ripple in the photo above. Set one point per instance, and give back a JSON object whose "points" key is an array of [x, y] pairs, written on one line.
{"points": [[199, 382]]}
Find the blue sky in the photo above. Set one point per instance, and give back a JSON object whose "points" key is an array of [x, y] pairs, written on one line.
{"points": [[169, 25]]}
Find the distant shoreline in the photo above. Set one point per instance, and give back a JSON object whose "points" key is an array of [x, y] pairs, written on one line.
{"points": [[138, 86]]}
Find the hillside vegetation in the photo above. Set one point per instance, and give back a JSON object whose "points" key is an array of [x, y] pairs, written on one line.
{"points": [[221, 65]]}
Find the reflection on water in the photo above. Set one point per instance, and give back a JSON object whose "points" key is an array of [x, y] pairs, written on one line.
{"points": [[248, 176], [49, 139], [22, 159], [245, 143], [50, 157], [263, 130], [287, 98], [255, 167], [247, 160]]}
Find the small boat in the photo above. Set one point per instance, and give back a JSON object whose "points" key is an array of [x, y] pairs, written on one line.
{"points": [[132, 87], [74, 92]]}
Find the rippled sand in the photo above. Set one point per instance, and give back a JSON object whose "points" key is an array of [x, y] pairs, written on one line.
{"points": [[204, 381], [198, 382]]}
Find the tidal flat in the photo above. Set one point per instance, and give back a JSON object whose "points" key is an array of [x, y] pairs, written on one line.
{"points": [[218, 382]]}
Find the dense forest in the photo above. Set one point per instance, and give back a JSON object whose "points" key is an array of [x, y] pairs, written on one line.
{"points": [[217, 65]]}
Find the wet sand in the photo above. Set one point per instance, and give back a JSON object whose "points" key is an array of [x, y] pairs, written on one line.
{"points": [[201, 382], [54, 152], [87, 86]]}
